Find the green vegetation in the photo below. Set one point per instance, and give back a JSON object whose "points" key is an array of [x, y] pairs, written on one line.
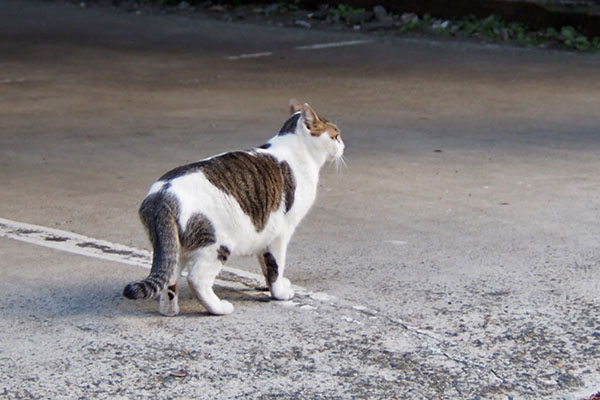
{"points": [[346, 13], [495, 29], [293, 5], [572, 39], [492, 28]]}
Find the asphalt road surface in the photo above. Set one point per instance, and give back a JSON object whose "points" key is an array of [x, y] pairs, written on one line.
{"points": [[456, 257]]}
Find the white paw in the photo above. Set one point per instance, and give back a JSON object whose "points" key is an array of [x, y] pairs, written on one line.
{"points": [[168, 308], [223, 308], [282, 289]]}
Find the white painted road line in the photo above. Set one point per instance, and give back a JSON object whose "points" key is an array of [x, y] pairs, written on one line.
{"points": [[317, 46], [333, 44], [252, 55], [89, 247], [75, 243]]}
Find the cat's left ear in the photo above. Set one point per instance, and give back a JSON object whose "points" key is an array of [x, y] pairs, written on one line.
{"points": [[295, 106], [309, 116]]}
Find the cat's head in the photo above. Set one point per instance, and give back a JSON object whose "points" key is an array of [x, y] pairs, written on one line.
{"points": [[320, 134]]}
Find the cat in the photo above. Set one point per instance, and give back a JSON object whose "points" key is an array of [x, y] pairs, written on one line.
{"points": [[237, 203]]}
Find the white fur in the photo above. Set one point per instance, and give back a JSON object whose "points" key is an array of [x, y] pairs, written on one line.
{"points": [[305, 154]]}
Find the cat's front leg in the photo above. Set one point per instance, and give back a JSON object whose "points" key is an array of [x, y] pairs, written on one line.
{"points": [[282, 289], [272, 262]]}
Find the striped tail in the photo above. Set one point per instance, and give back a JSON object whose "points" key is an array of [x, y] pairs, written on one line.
{"points": [[158, 212]]}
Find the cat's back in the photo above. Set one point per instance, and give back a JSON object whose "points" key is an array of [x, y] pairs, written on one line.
{"points": [[253, 183]]}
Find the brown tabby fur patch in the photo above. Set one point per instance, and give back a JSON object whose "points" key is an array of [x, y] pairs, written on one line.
{"points": [[198, 232], [257, 181], [289, 184]]}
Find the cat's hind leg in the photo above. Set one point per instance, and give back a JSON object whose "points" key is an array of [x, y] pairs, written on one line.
{"points": [[168, 303], [206, 265], [272, 261]]}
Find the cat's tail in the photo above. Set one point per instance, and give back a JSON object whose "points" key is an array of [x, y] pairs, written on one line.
{"points": [[159, 216]]}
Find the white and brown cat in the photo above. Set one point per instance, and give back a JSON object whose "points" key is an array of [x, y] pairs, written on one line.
{"points": [[238, 203]]}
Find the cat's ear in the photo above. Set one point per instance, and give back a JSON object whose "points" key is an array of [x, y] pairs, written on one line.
{"points": [[295, 106], [309, 116]]}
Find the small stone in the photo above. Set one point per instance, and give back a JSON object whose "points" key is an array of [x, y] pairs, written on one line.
{"points": [[216, 8], [548, 382], [440, 25], [409, 18], [184, 5], [381, 14], [303, 24], [178, 374]]}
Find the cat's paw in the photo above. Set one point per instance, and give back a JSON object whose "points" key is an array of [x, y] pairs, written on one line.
{"points": [[282, 289], [168, 308], [223, 308]]}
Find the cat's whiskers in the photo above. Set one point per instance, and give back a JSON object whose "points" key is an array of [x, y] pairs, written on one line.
{"points": [[339, 160]]}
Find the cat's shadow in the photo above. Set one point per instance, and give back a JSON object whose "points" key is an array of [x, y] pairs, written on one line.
{"points": [[106, 299], [190, 306]]}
